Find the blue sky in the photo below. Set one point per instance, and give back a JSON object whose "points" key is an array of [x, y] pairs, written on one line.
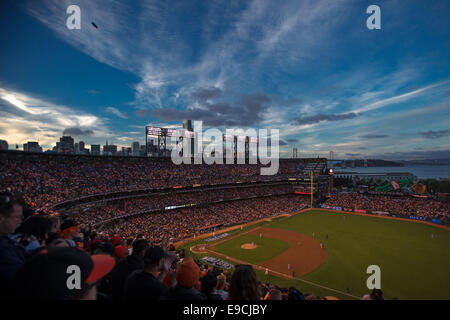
{"points": [[311, 69]]}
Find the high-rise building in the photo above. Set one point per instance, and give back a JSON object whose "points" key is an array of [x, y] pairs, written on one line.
{"points": [[3, 145], [142, 151], [109, 150], [80, 148], [95, 149], [135, 149], [65, 145], [152, 148], [189, 137], [32, 147], [187, 125]]}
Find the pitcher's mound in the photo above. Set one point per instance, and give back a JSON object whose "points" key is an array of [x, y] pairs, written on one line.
{"points": [[248, 246]]}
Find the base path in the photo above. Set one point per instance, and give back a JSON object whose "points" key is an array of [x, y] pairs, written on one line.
{"points": [[304, 255]]}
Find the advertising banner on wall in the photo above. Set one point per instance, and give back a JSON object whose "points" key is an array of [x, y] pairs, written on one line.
{"points": [[437, 221], [417, 218], [381, 213]]}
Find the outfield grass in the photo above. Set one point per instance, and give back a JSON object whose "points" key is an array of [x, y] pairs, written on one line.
{"points": [[267, 248], [413, 264]]}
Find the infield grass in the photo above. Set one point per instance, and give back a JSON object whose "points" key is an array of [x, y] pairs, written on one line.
{"points": [[267, 248]]}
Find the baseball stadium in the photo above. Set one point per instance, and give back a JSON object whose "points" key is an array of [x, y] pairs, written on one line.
{"points": [[299, 237], [315, 164]]}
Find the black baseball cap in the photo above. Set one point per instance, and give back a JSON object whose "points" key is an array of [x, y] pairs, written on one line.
{"points": [[153, 255], [46, 275]]}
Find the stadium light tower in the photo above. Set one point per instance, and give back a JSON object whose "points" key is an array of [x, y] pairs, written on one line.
{"points": [[312, 188], [331, 180], [331, 159]]}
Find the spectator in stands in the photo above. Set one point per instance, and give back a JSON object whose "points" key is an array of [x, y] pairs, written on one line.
{"points": [[146, 284], [120, 252], [92, 238], [45, 276], [54, 240], [32, 233], [106, 248], [56, 223], [274, 294], [116, 240], [294, 294], [221, 286], [243, 284], [187, 278], [124, 268], [105, 285], [12, 256], [70, 232], [208, 284]]}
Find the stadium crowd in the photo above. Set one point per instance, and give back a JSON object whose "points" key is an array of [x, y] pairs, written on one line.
{"points": [[35, 257], [161, 201], [173, 225], [404, 205], [45, 180]]}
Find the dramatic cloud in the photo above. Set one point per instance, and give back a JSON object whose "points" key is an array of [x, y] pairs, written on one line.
{"points": [[374, 136], [269, 142], [247, 111], [205, 94], [292, 140], [77, 132], [117, 112], [399, 98], [196, 66], [220, 107], [434, 134], [325, 117], [29, 118]]}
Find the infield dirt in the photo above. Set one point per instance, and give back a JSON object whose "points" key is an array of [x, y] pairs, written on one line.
{"points": [[304, 255]]}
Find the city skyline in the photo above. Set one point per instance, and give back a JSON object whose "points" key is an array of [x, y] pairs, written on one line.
{"points": [[309, 68]]}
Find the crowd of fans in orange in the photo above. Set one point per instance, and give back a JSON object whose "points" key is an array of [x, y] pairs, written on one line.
{"points": [[47, 180], [162, 201], [178, 224], [404, 205], [35, 257]]}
